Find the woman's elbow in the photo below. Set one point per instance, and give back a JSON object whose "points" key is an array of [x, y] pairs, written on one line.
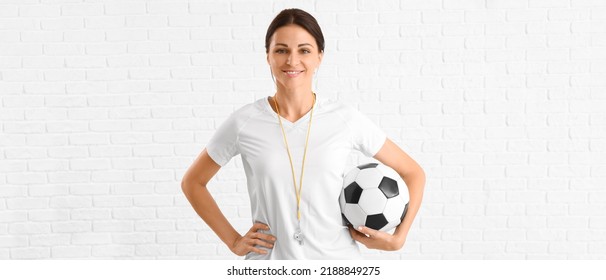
{"points": [[186, 186], [416, 175], [421, 173]]}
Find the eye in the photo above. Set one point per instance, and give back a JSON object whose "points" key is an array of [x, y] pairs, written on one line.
{"points": [[280, 51], [305, 51]]}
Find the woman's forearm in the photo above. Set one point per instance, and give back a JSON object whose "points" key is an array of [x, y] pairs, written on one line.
{"points": [[416, 186], [204, 204]]}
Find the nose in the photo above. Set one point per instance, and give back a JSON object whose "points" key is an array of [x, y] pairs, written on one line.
{"points": [[293, 59]]}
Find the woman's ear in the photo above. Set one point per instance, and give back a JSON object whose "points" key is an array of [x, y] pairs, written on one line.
{"points": [[320, 56]]}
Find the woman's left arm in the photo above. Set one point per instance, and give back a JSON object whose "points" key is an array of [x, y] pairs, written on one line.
{"points": [[414, 177]]}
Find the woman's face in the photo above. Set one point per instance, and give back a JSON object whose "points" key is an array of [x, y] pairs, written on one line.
{"points": [[293, 56]]}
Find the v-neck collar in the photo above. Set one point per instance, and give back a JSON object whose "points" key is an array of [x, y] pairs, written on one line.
{"points": [[284, 120]]}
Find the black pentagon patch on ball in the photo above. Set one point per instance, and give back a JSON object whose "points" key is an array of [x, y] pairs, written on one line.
{"points": [[389, 187], [376, 221], [353, 193], [368, 165], [403, 213]]}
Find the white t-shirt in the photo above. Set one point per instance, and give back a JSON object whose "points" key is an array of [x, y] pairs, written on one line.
{"points": [[336, 130]]}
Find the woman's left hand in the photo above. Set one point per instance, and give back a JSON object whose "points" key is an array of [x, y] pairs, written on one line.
{"points": [[375, 239]]}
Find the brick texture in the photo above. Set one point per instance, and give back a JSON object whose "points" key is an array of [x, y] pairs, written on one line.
{"points": [[104, 105]]}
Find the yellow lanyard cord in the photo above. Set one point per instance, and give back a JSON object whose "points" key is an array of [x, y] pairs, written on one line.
{"points": [[292, 168]]}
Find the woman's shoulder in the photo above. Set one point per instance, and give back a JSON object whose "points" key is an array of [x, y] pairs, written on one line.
{"points": [[342, 108], [247, 110], [244, 113]]}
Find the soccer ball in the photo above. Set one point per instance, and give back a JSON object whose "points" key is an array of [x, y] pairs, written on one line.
{"points": [[374, 196]]}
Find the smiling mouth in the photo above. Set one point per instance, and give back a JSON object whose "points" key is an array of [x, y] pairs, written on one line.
{"points": [[294, 73]]}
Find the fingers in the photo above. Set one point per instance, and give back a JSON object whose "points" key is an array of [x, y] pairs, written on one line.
{"points": [[248, 244], [258, 226], [252, 248], [361, 232], [258, 251], [371, 238], [263, 236], [357, 236], [362, 238], [368, 231], [253, 232], [375, 239], [254, 239], [261, 243]]}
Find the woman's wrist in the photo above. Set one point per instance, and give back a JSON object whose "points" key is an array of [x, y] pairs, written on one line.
{"points": [[232, 244], [400, 238]]}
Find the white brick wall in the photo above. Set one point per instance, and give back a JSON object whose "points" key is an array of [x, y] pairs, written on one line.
{"points": [[104, 105]]}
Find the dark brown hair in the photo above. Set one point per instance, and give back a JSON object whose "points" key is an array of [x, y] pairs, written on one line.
{"points": [[300, 18]]}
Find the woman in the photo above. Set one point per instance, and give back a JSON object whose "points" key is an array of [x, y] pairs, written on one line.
{"points": [[294, 150]]}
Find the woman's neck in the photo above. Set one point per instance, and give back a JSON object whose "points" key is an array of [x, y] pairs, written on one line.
{"points": [[293, 104]]}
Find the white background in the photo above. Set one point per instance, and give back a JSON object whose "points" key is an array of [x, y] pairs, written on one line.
{"points": [[104, 104]]}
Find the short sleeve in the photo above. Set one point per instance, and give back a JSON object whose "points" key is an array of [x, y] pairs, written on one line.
{"points": [[368, 138], [223, 145]]}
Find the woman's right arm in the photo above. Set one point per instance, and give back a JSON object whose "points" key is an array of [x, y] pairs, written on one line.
{"points": [[193, 185]]}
